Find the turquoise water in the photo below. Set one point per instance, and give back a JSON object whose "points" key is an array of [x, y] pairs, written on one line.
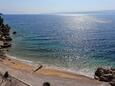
{"points": [[79, 42]]}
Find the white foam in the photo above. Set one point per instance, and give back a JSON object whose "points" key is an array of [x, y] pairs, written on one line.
{"points": [[26, 61]]}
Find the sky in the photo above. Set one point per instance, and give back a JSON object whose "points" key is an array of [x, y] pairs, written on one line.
{"points": [[53, 6]]}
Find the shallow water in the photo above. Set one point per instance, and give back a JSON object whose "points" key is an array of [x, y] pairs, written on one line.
{"points": [[80, 43]]}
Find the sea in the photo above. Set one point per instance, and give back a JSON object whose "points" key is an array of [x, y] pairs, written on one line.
{"points": [[75, 42]]}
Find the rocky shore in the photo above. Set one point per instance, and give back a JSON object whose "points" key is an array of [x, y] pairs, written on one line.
{"points": [[5, 44], [5, 38], [106, 75]]}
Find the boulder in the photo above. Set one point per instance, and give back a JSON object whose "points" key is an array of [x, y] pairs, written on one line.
{"points": [[6, 45], [112, 83], [98, 73], [106, 75]]}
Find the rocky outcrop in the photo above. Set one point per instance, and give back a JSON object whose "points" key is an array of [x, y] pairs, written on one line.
{"points": [[106, 75], [5, 38]]}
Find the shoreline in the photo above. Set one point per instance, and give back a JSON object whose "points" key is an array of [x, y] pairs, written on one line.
{"points": [[51, 66], [22, 71]]}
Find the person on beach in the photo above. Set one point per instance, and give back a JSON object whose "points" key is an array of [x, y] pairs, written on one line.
{"points": [[46, 84], [6, 75]]}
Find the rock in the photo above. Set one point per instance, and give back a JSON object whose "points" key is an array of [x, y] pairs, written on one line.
{"points": [[106, 75], [6, 45], [8, 39], [14, 32], [99, 72], [113, 70], [112, 83]]}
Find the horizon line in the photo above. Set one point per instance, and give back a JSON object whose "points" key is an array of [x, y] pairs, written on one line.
{"points": [[77, 12]]}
